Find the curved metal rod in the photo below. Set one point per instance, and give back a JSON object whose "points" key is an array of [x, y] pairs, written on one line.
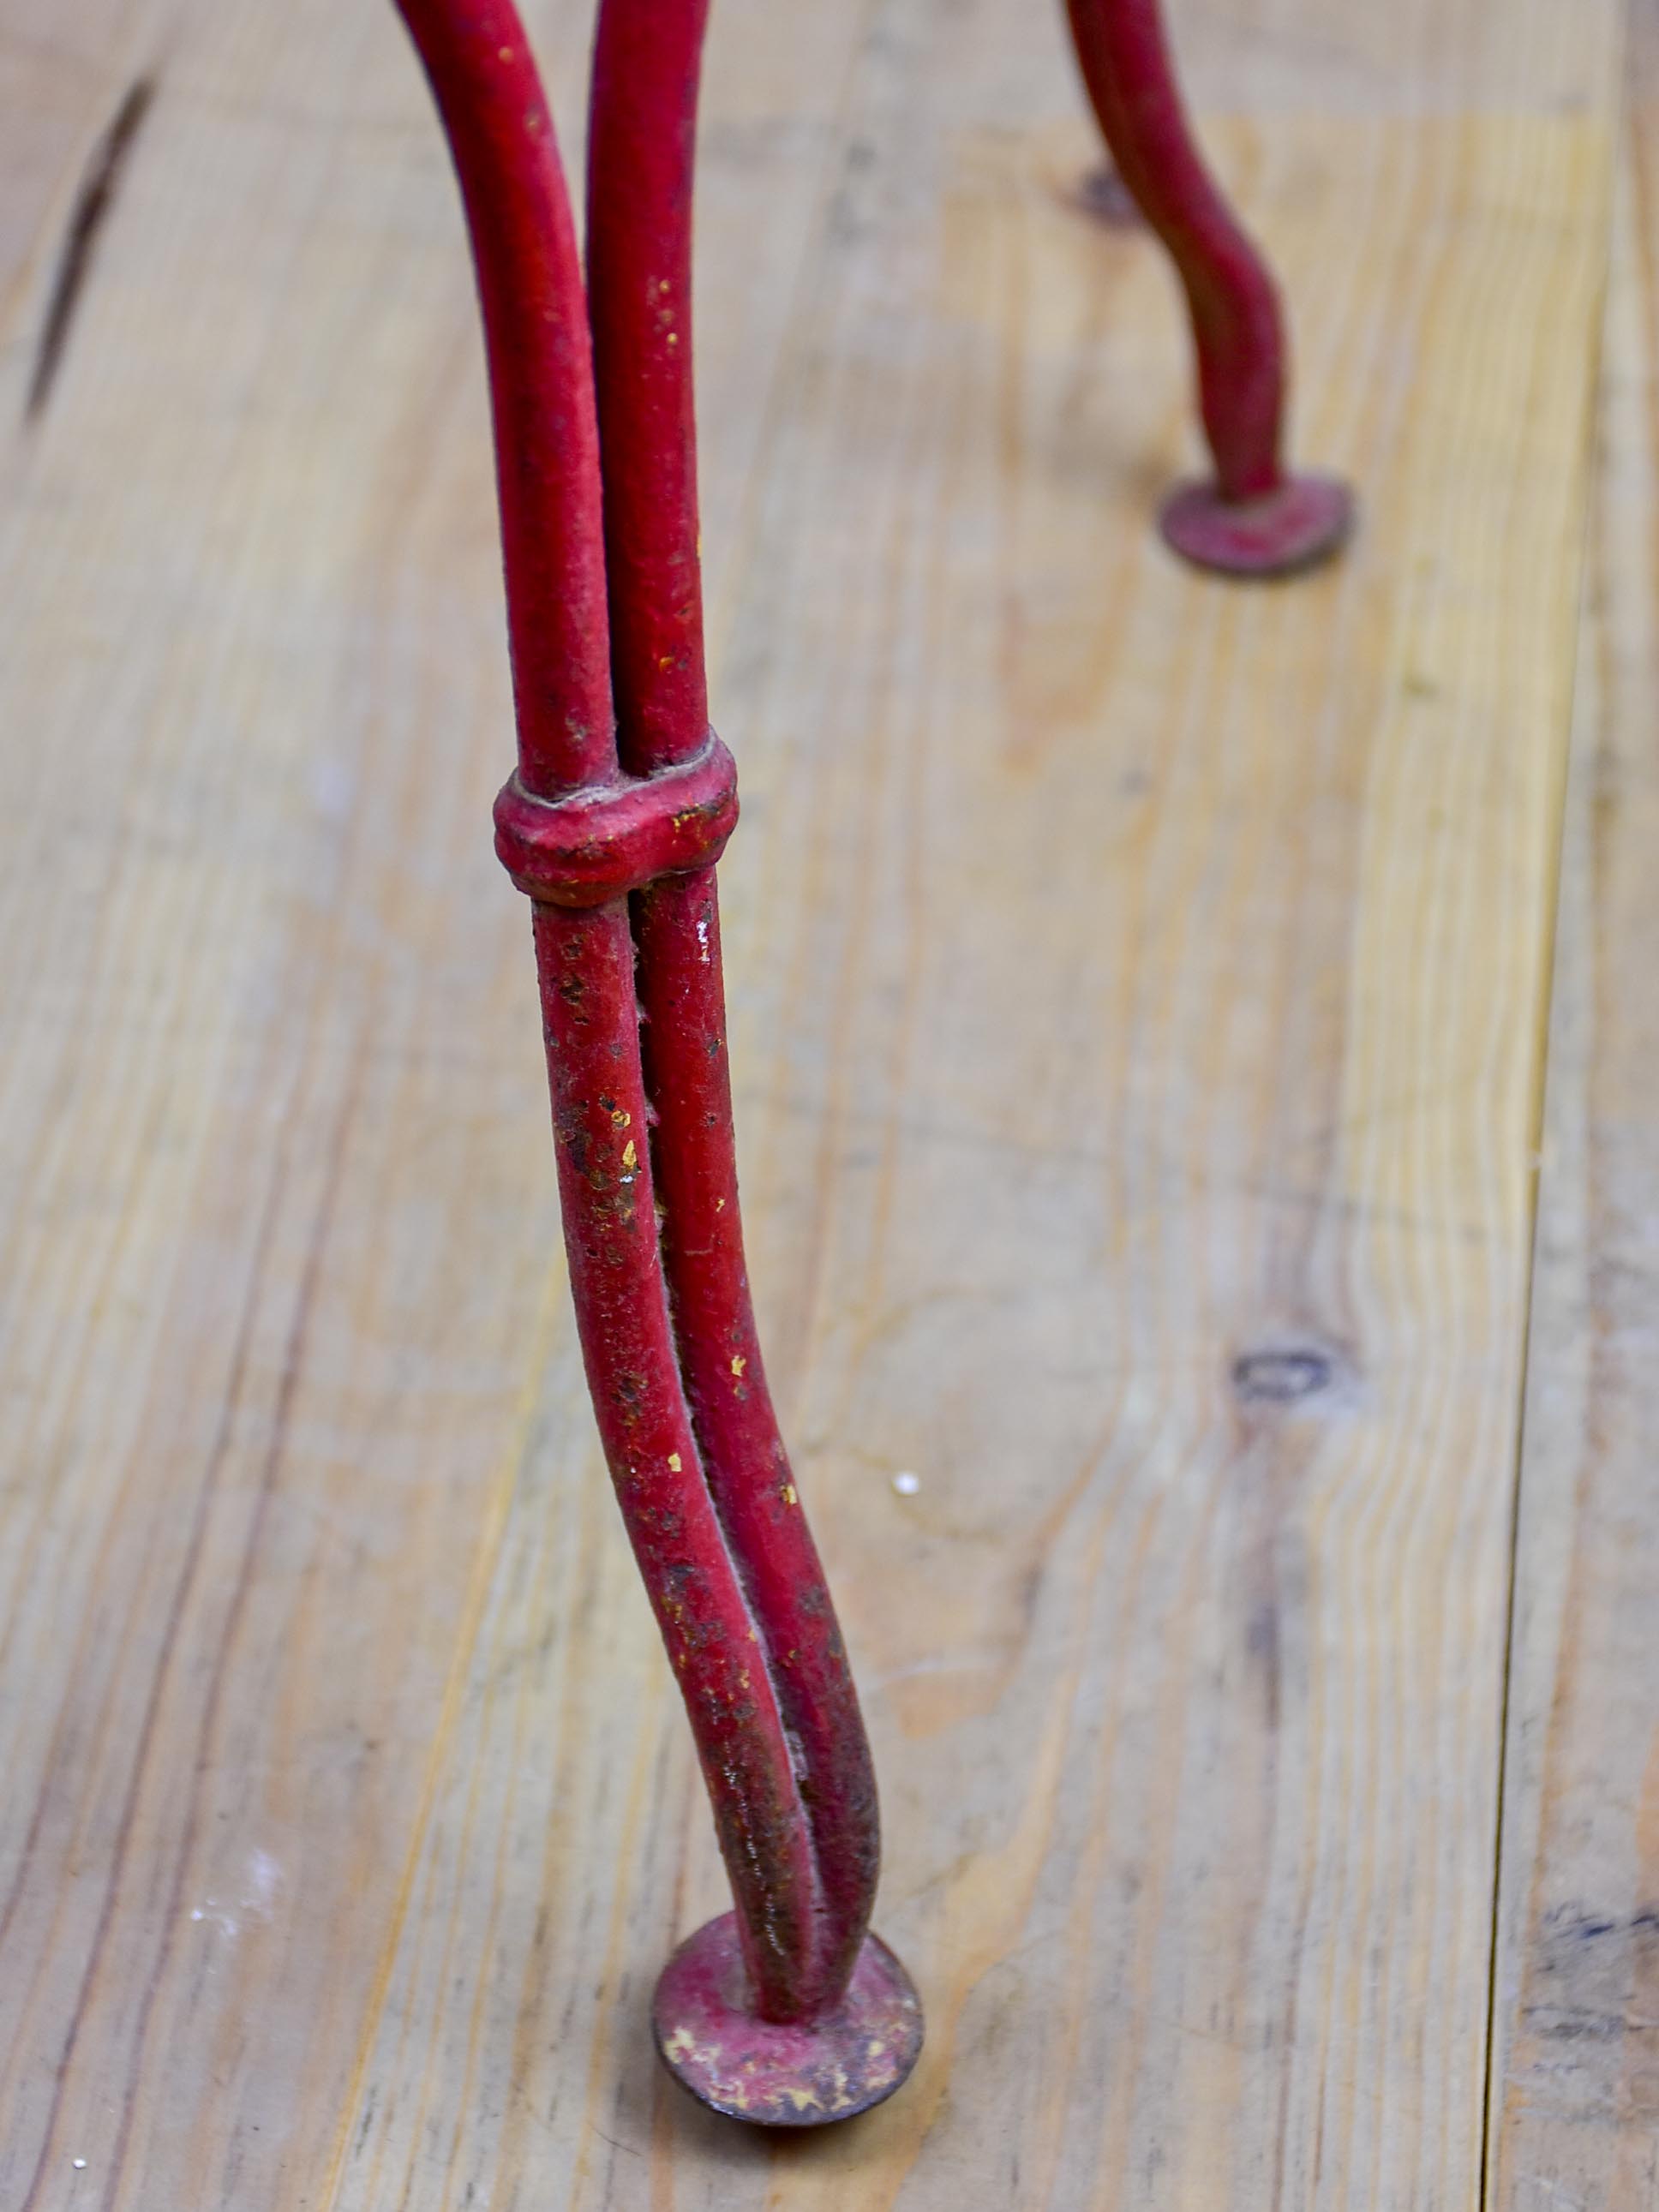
{"points": [[641, 146], [791, 2014], [496, 117], [501, 135], [1256, 517]]}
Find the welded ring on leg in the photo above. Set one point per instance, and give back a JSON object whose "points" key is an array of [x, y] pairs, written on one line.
{"points": [[594, 845]]}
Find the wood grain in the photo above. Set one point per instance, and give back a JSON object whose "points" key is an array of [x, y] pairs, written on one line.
{"points": [[349, 1816], [1575, 2068]]}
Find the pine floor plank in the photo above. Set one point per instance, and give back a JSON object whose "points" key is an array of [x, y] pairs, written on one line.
{"points": [[1137, 992], [1576, 2073]]}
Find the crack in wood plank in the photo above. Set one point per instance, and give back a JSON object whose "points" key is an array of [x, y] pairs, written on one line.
{"points": [[94, 200]]}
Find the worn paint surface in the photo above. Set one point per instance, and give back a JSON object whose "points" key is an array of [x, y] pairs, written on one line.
{"points": [[633, 793], [849, 2056], [1253, 517]]}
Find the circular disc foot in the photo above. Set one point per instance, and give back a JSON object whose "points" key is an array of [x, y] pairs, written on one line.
{"points": [[1302, 522], [800, 2074]]}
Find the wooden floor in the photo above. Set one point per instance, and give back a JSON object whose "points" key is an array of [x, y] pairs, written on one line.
{"points": [[1161, 1137]]}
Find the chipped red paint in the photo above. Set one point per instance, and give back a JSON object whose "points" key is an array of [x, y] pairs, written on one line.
{"points": [[616, 837], [794, 2074], [1256, 517], [489, 97], [641, 158], [622, 788]]}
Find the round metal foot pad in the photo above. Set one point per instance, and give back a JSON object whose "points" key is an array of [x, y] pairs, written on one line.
{"points": [[798, 2074], [1303, 522]]}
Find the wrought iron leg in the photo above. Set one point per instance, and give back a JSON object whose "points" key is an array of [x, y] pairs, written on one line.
{"points": [[1255, 516], [785, 2011]]}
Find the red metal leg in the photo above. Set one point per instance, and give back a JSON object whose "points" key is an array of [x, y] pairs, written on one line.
{"points": [[1254, 518], [786, 2012], [640, 176]]}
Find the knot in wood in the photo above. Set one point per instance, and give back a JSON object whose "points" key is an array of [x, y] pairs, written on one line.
{"points": [[598, 843]]}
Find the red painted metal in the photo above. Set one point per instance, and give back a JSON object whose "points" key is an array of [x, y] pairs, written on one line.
{"points": [[586, 961], [784, 2073], [641, 162], [641, 152], [641, 802], [1255, 519], [614, 838], [490, 98], [1299, 524]]}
